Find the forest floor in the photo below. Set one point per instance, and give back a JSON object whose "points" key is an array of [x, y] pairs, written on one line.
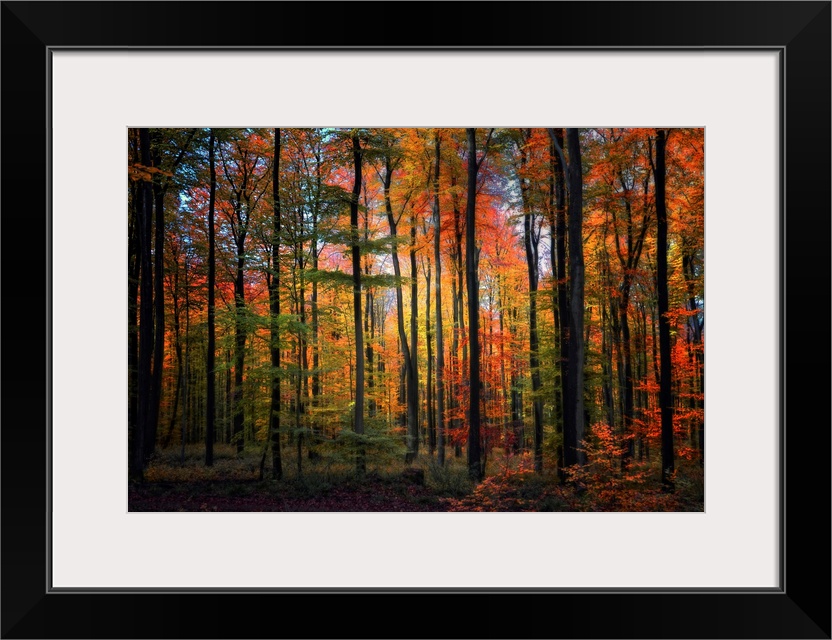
{"points": [[234, 484]]}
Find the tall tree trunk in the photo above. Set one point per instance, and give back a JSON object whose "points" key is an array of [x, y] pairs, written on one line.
{"points": [[413, 379], [531, 242], [274, 315], [626, 374], [559, 232], [472, 281], [558, 247], [440, 345], [210, 362], [696, 331], [574, 424], [368, 316], [430, 409], [186, 370], [358, 427], [316, 375], [177, 347], [239, 348], [144, 382], [134, 263], [410, 384], [665, 397], [460, 364], [159, 313], [229, 400], [606, 368]]}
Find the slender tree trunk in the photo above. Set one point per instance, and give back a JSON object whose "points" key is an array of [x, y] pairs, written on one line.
{"points": [[239, 349], [440, 345], [531, 244], [563, 315], [210, 362], [298, 386], [696, 331], [144, 376], [134, 263], [574, 401], [430, 409], [606, 368], [360, 463], [316, 375], [472, 281], [626, 375], [229, 399], [411, 385], [303, 367], [177, 347], [186, 370], [665, 397], [413, 379], [274, 315], [368, 316], [159, 312]]}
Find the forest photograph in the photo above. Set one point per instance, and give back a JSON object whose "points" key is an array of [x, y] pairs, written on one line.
{"points": [[415, 319]]}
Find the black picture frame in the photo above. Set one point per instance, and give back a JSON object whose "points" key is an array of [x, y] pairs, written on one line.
{"points": [[800, 608]]}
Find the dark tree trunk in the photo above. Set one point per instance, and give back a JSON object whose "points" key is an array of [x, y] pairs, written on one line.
{"points": [[574, 401], [430, 410], [134, 263], [358, 427], [564, 291], [629, 262], [316, 375], [210, 363], [186, 370], [665, 397], [144, 383], [239, 348], [413, 379], [274, 309], [411, 385], [368, 317], [558, 246], [698, 385], [440, 345], [177, 347], [229, 399], [531, 242], [626, 375], [159, 313], [606, 368], [472, 281]]}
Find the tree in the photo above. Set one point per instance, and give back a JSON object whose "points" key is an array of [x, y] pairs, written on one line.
{"points": [[531, 241], [412, 388], [358, 423], [144, 412], [573, 431], [243, 164], [274, 309], [475, 466], [440, 345], [665, 392], [210, 363], [557, 243]]}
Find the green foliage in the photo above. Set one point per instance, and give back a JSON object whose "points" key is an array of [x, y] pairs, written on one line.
{"points": [[376, 443], [451, 480], [345, 279]]}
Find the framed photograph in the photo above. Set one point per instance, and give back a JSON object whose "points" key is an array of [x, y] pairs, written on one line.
{"points": [[731, 542]]}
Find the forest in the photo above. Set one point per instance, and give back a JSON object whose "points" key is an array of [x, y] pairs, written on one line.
{"points": [[420, 319]]}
